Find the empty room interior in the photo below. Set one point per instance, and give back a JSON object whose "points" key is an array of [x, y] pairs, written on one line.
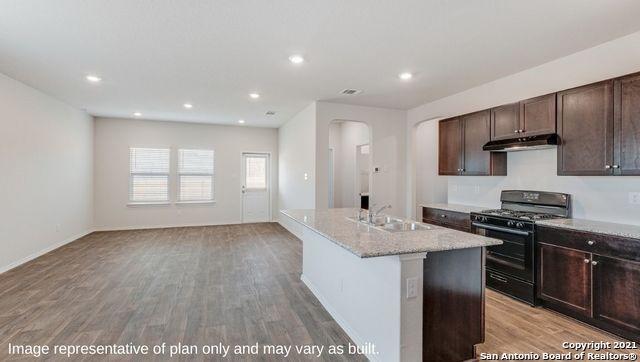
{"points": [[319, 180]]}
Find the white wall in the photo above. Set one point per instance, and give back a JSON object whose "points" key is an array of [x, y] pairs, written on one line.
{"points": [[46, 176], [387, 140], [344, 137], [113, 137], [297, 157], [608, 60]]}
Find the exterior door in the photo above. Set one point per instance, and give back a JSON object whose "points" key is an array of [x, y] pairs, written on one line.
{"points": [[255, 188]]}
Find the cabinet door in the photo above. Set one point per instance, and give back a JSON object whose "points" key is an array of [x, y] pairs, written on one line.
{"points": [[565, 278], [585, 126], [627, 125], [538, 115], [476, 132], [616, 293], [450, 147], [505, 121]]}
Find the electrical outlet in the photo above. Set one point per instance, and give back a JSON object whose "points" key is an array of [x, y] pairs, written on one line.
{"points": [[412, 287], [634, 198]]}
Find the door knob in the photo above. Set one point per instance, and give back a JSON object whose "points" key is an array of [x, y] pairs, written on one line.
{"points": [[607, 166], [594, 263], [591, 242], [586, 261]]}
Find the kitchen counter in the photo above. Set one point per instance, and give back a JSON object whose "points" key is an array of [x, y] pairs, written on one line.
{"points": [[366, 241], [598, 227], [467, 209]]}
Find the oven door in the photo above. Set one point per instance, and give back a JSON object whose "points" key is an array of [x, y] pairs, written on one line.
{"points": [[515, 256]]}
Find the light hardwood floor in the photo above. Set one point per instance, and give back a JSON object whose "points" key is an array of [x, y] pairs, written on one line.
{"points": [[235, 284]]}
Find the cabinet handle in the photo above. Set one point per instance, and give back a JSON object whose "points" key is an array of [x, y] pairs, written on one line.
{"points": [[616, 166], [591, 242], [607, 166], [443, 216], [594, 263], [522, 131], [586, 261]]}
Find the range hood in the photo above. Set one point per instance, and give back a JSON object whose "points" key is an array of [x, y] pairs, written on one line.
{"points": [[549, 140]]}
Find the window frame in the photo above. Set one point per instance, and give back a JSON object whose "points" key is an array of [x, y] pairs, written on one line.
{"points": [[180, 174], [167, 201]]}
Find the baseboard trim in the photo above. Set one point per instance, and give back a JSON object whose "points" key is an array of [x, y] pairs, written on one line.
{"points": [[148, 227], [355, 336], [48, 249]]}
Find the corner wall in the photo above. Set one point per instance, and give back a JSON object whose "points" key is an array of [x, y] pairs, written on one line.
{"points": [[46, 177]]}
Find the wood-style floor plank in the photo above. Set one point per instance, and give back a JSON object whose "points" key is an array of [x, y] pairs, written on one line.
{"points": [[234, 284]]}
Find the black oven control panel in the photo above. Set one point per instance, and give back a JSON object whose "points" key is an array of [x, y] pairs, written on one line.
{"points": [[509, 223]]}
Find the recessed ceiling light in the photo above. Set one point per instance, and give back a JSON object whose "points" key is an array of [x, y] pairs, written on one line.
{"points": [[405, 76], [137, 114], [296, 59], [241, 121], [93, 78], [254, 95], [188, 105]]}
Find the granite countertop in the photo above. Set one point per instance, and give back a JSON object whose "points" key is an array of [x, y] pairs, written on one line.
{"points": [[366, 241], [598, 227], [456, 207]]}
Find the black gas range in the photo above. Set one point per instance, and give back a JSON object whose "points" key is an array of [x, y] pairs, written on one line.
{"points": [[511, 267]]}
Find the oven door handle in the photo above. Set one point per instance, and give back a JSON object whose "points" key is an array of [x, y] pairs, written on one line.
{"points": [[499, 228]]}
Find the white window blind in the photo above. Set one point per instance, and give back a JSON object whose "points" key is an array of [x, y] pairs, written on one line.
{"points": [[195, 175], [149, 174], [256, 172]]}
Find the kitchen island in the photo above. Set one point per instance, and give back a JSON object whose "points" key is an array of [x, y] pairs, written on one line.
{"points": [[414, 295]]}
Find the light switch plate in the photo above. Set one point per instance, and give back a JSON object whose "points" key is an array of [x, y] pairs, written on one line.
{"points": [[634, 198]]}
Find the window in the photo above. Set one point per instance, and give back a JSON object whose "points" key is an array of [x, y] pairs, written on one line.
{"points": [[195, 175], [149, 175], [256, 172]]}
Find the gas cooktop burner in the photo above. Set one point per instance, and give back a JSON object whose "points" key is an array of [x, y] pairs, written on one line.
{"points": [[519, 214]]}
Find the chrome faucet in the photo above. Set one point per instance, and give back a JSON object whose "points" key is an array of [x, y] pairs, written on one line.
{"points": [[373, 214]]}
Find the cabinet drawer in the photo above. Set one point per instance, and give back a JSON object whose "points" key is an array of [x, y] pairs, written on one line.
{"points": [[455, 220], [606, 245], [511, 286]]}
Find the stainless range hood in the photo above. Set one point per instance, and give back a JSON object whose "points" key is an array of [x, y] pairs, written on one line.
{"points": [[523, 143]]}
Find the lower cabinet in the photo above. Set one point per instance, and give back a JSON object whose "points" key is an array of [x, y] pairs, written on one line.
{"points": [[616, 293], [602, 290], [451, 219], [565, 278]]}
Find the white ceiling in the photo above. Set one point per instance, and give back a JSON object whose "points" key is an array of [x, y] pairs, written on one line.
{"points": [[154, 55]]}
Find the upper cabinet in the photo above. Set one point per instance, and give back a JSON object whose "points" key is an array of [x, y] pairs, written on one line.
{"points": [[460, 147], [626, 125], [599, 128], [585, 127], [538, 115], [530, 117]]}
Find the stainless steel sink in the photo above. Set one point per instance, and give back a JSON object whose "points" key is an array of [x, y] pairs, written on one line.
{"points": [[393, 224]]}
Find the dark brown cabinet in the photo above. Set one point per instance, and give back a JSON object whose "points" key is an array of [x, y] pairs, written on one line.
{"points": [[565, 278], [460, 147], [538, 115], [450, 219], [526, 118], [592, 277], [616, 292], [626, 134], [505, 121], [585, 127], [450, 147]]}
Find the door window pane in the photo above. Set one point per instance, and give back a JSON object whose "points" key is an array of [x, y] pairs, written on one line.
{"points": [[256, 172]]}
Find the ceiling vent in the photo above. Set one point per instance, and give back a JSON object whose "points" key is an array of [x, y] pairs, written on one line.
{"points": [[351, 92], [270, 113]]}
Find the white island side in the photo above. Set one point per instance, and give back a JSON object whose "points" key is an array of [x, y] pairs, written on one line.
{"points": [[379, 288]]}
